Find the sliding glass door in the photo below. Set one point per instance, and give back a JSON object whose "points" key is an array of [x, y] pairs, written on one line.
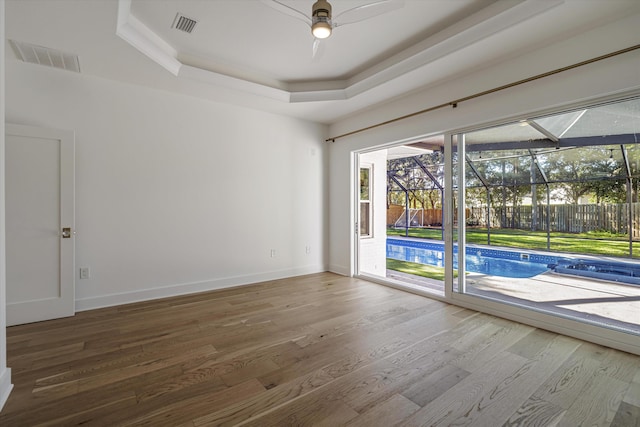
{"points": [[537, 220], [400, 211], [547, 214]]}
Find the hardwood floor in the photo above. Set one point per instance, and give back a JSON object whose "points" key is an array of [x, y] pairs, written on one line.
{"points": [[321, 350]]}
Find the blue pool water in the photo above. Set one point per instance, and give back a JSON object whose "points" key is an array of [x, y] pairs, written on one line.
{"points": [[475, 262], [511, 263]]}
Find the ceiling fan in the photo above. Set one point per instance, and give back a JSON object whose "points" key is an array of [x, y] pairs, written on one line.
{"points": [[321, 21]]}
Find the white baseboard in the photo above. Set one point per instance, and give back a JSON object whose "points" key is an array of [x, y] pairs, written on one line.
{"points": [[340, 269], [190, 288], [5, 386]]}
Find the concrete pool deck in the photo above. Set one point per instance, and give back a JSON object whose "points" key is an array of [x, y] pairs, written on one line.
{"points": [[594, 299], [615, 304]]}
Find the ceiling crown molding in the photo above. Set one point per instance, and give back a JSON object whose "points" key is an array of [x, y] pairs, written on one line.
{"points": [[138, 35], [491, 20]]}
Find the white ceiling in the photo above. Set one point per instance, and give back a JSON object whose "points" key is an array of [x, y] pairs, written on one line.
{"points": [[246, 53], [273, 46]]}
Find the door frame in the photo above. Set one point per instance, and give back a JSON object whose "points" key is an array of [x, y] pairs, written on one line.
{"points": [[548, 321]]}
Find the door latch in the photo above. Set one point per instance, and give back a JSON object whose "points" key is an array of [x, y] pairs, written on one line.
{"points": [[66, 232]]}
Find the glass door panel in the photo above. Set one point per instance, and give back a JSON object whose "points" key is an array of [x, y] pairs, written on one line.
{"points": [[548, 214], [401, 214]]}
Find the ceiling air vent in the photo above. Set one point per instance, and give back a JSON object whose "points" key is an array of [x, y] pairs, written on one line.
{"points": [[41, 55], [184, 23]]}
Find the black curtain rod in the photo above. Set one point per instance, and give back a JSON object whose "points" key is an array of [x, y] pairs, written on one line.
{"points": [[455, 103]]}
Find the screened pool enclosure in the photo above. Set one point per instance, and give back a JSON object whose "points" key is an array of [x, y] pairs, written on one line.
{"points": [[572, 173], [544, 214]]}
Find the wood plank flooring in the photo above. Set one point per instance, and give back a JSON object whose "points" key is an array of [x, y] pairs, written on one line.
{"points": [[317, 350]]}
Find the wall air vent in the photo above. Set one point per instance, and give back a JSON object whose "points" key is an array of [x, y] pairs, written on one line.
{"points": [[184, 23], [41, 55]]}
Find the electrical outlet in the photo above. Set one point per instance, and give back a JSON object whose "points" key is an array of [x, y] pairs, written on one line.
{"points": [[308, 249], [85, 273], [273, 253]]}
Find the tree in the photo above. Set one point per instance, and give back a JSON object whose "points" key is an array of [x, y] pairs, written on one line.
{"points": [[584, 171], [422, 190]]}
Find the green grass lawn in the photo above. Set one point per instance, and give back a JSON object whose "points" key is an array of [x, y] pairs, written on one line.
{"points": [[595, 243], [430, 271]]}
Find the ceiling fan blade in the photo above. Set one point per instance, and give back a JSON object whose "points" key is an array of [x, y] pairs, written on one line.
{"points": [[288, 10], [317, 49], [366, 11]]}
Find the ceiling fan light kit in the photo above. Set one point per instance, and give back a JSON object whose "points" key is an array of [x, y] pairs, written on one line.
{"points": [[321, 19], [321, 30]]}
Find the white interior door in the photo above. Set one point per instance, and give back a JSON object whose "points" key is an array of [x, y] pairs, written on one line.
{"points": [[40, 224]]}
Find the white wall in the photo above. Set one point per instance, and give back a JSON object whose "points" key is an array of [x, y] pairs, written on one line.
{"points": [[373, 250], [612, 76], [176, 194], [5, 372]]}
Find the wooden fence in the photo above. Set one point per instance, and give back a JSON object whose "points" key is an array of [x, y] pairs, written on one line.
{"points": [[419, 217], [562, 218]]}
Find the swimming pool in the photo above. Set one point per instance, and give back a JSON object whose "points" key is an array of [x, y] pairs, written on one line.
{"points": [[478, 260], [513, 263]]}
